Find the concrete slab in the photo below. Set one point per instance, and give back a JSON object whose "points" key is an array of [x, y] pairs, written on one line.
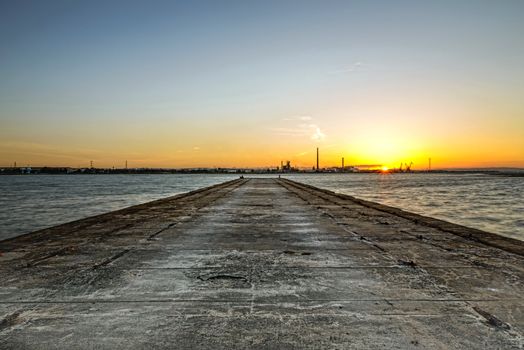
{"points": [[263, 264]]}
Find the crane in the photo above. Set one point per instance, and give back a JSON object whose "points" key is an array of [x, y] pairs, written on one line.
{"points": [[408, 167]]}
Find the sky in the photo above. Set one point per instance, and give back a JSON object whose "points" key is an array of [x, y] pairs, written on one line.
{"points": [[252, 83]]}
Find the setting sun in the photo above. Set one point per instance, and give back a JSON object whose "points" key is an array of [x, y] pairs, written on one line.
{"points": [[384, 168]]}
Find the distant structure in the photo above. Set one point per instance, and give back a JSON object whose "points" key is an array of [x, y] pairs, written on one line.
{"points": [[91, 164], [429, 164], [342, 163], [126, 164], [406, 169], [287, 167], [317, 159]]}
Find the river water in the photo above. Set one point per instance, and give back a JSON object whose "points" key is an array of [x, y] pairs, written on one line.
{"points": [[491, 203]]}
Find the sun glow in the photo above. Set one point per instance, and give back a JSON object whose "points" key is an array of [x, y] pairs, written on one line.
{"points": [[384, 168]]}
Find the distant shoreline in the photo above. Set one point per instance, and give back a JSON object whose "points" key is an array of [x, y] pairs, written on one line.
{"points": [[509, 172]]}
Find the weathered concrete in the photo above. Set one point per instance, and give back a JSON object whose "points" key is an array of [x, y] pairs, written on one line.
{"points": [[261, 263]]}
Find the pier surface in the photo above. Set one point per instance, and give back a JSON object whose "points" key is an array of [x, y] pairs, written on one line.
{"points": [[261, 263]]}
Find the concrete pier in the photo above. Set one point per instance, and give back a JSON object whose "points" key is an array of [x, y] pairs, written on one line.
{"points": [[261, 263]]}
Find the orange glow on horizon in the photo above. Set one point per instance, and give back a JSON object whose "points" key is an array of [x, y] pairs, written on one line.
{"points": [[187, 144]]}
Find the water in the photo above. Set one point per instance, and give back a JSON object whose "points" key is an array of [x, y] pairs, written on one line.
{"points": [[491, 203], [33, 202]]}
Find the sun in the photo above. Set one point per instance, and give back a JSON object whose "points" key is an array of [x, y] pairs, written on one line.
{"points": [[384, 168]]}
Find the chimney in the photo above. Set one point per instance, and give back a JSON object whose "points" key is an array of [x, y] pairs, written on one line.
{"points": [[317, 158]]}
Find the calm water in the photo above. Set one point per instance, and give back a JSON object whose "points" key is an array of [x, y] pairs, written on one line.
{"points": [[29, 203], [486, 202], [495, 204]]}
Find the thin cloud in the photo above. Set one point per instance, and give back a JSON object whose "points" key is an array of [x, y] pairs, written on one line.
{"points": [[301, 130], [356, 66], [304, 128], [298, 117], [318, 135], [290, 132]]}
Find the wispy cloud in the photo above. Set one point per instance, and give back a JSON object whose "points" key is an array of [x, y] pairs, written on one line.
{"points": [[298, 117], [304, 128], [318, 135], [290, 132], [350, 68]]}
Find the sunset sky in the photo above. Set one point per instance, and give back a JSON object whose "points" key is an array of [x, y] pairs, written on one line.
{"points": [[251, 83]]}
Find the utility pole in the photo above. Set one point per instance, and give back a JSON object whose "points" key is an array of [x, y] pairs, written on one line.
{"points": [[126, 164], [91, 164], [317, 158]]}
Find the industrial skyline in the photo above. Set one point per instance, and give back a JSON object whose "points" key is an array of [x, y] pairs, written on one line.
{"points": [[286, 166]]}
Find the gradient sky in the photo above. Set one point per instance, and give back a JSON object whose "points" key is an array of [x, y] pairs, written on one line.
{"points": [[251, 83]]}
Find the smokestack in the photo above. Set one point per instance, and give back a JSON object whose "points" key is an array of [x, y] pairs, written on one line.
{"points": [[317, 158], [342, 163]]}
